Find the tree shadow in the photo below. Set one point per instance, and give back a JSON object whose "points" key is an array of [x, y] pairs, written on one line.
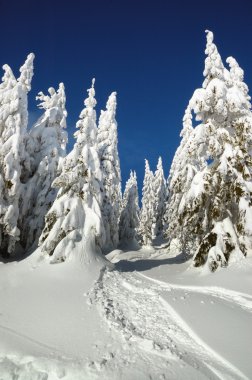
{"points": [[146, 264], [128, 246], [19, 255]]}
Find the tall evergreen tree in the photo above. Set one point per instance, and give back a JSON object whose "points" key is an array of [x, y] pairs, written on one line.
{"points": [[129, 218], [75, 215], [216, 208], [111, 173], [47, 147], [14, 160], [160, 194], [147, 214], [185, 165]]}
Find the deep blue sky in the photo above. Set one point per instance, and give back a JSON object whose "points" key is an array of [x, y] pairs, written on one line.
{"points": [[150, 51]]}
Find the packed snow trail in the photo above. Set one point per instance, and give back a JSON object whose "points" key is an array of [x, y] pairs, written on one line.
{"points": [[133, 305], [220, 316]]}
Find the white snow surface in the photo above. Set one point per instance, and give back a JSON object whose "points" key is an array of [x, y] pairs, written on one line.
{"points": [[151, 316]]}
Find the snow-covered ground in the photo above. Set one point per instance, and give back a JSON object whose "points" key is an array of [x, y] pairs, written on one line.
{"points": [[152, 316]]}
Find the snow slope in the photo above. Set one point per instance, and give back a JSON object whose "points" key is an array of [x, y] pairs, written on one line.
{"points": [[152, 316]]}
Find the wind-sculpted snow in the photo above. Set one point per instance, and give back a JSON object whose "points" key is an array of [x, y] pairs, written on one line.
{"points": [[242, 299], [136, 307], [140, 322]]}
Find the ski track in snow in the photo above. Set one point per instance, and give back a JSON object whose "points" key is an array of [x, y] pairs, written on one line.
{"points": [[29, 339], [242, 299], [132, 304]]}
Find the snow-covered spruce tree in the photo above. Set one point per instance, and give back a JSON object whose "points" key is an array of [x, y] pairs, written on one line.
{"points": [[160, 194], [75, 215], [111, 173], [47, 147], [129, 218], [147, 214], [14, 160], [185, 165], [216, 209]]}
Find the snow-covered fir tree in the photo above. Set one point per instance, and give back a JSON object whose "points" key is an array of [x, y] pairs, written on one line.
{"points": [[185, 165], [129, 218], [14, 160], [216, 208], [160, 194], [111, 173], [75, 215], [147, 213], [47, 147]]}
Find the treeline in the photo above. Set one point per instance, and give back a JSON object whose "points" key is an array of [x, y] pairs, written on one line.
{"points": [[54, 200]]}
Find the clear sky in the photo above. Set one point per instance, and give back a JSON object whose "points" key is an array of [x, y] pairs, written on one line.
{"points": [[150, 51]]}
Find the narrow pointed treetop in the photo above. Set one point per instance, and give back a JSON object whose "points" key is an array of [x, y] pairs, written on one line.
{"points": [[26, 72], [8, 79], [107, 128], [111, 104], [148, 171], [148, 179], [90, 101], [131, 181], [214, 67], [159, 173], [237, 78], [160, 165], [236, 72], [187, 123], [87, 122]]}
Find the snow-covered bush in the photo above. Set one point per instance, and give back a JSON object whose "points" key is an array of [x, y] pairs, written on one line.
{"points": [[47, 147], [129, 218], [111, 173], [75, 215], [14, 160]]}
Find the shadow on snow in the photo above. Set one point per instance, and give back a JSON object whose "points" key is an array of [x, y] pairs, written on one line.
{"points": [[142, 265]]}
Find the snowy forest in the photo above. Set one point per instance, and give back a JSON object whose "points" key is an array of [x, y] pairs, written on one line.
{"points": [[100, 283], [52, 199]]}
